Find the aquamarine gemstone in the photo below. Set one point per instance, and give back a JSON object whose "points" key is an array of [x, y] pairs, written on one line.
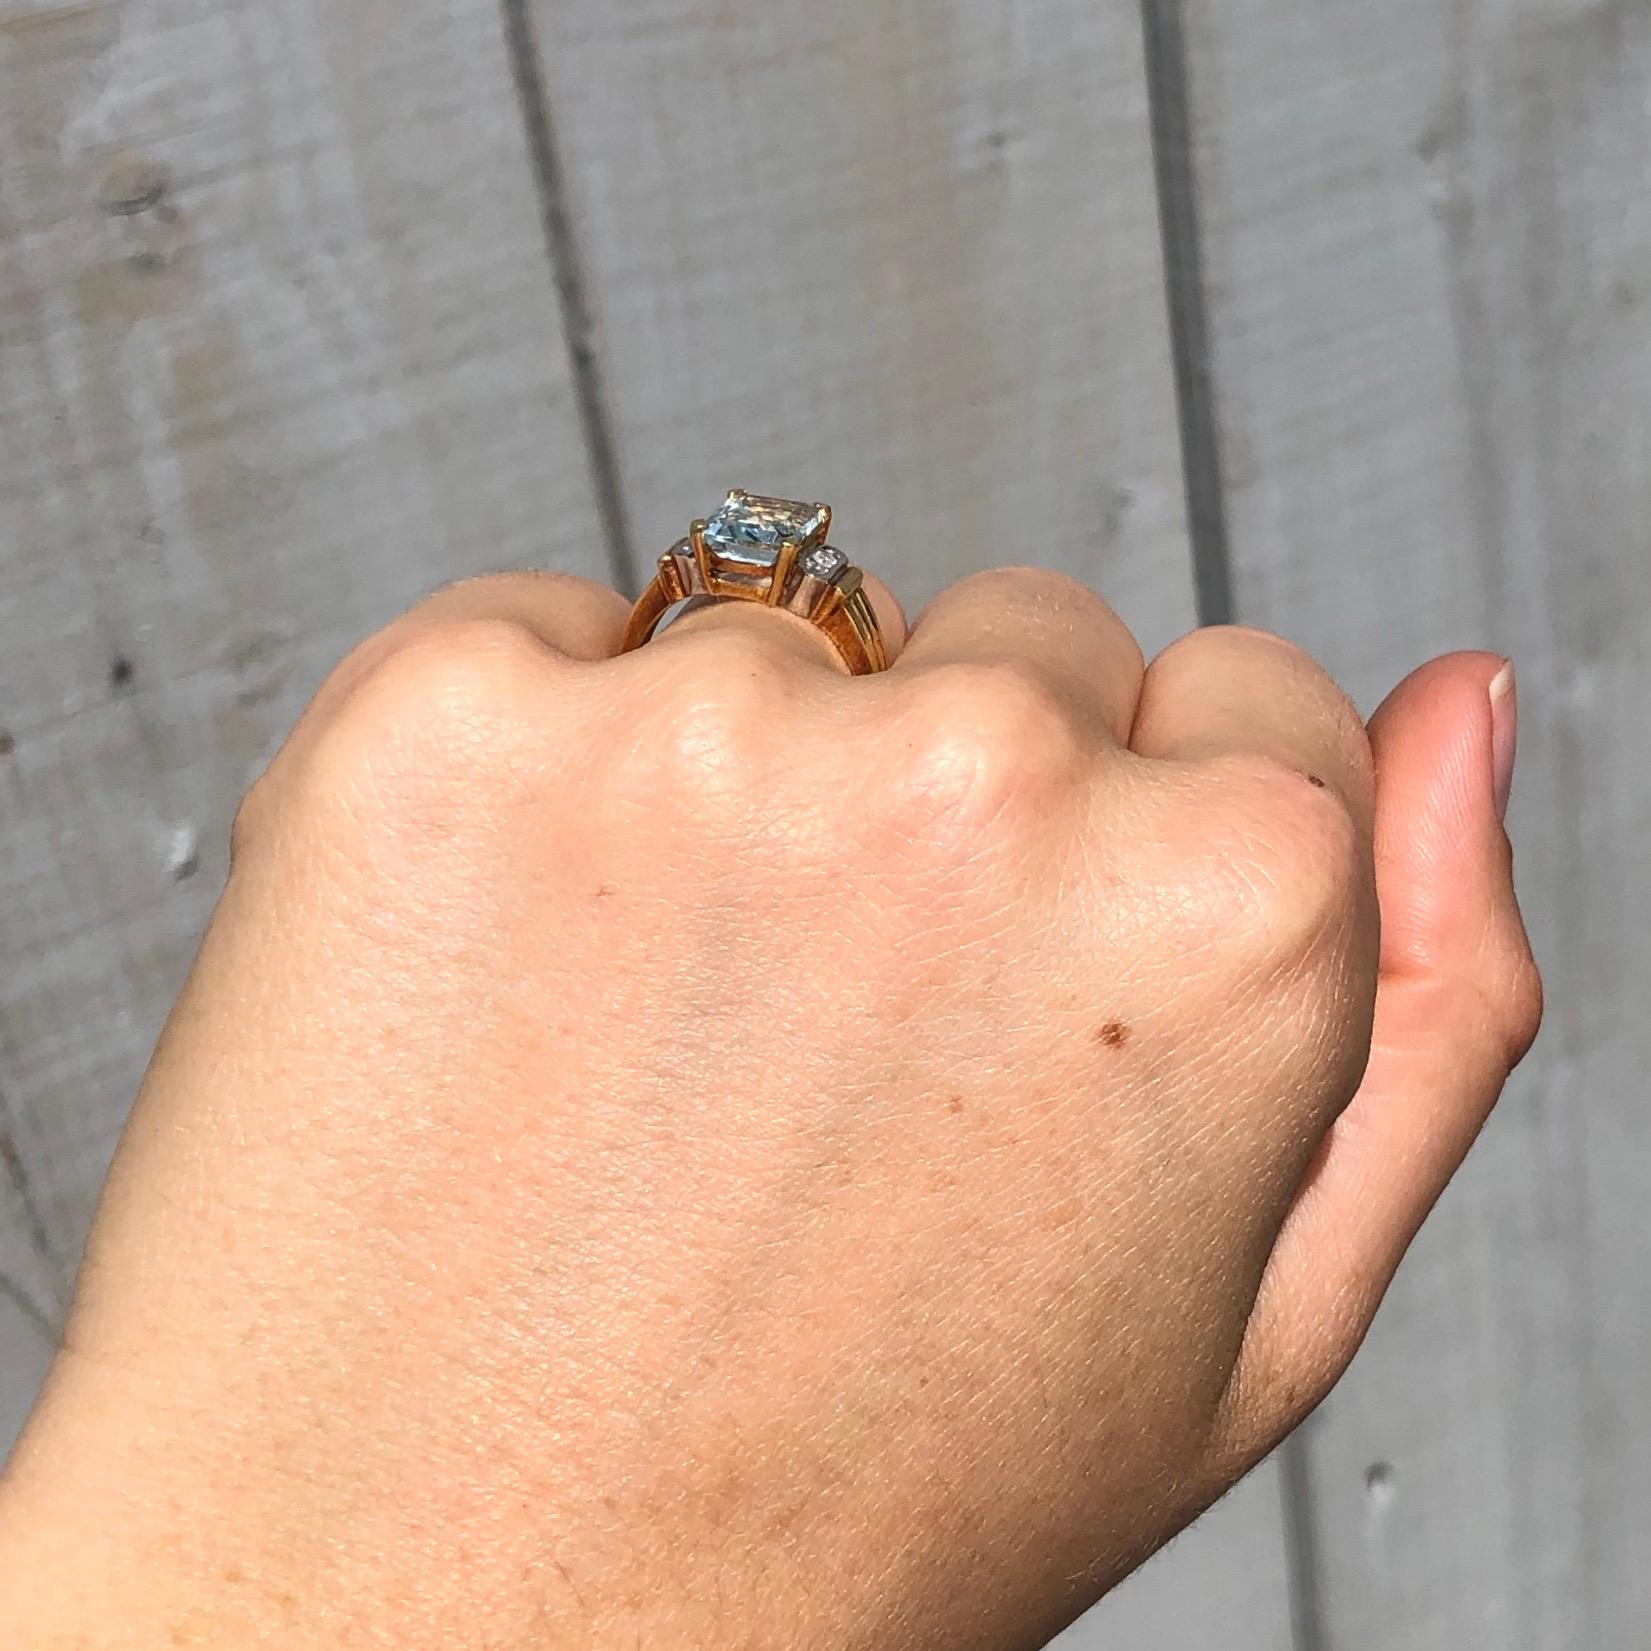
{"points": [[754, 530]]}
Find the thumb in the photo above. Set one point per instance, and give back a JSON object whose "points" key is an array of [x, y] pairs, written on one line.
{"points": [[1458, 1006]]}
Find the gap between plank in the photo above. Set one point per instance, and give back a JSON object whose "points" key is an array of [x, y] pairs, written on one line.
{"points": [[1174, 162], [1172, 155], [30, 1310], [1301, 1551], [1200, 456], [35, 1230], [578, 324]]}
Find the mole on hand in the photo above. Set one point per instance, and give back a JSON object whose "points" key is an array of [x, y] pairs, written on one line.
{"points": [[1114, 1034]]}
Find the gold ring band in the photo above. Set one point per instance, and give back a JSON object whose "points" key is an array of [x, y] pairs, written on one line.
{"points": [[774, 552]]}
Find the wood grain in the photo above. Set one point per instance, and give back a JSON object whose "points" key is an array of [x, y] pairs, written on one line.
{"points": [[904, 258], [279, 348], [1429, 257], [279, 351]]}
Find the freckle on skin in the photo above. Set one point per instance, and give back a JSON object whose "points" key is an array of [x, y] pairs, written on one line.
{"points": [[955, 1104], [1313, 779], [1114, 1034]]}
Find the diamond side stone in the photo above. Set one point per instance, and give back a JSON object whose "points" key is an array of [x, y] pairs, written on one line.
{"points": [[823, 562]]}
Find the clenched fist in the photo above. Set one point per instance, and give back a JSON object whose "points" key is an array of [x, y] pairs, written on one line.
{"points": [[695, 1149]]}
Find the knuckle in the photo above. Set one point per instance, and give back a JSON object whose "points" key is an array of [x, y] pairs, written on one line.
{"points": [[1290, 659], [467, 678], [744, 656], [1015, 579], [1287, 861], [713, 705], [1025, 584], [988, 745], [1235, 645], [476, 656], [449, 705], [1034, 591], [1254, 636]]}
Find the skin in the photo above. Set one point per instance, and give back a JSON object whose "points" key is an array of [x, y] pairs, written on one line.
{"points": [[694, 1149]]}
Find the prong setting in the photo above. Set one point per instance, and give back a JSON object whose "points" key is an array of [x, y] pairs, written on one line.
{"points": [[774, 551]]}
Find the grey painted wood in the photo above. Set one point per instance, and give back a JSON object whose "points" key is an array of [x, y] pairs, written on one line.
{"points": [[904, 258], [279, 350], [1429, 260], [907, 259]]}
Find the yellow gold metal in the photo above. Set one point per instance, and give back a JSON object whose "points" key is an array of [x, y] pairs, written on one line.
{"points": [[836, 604], [782, 574]]}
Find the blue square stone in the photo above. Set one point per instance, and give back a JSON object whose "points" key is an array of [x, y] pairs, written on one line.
{"points": [[754, 530]]}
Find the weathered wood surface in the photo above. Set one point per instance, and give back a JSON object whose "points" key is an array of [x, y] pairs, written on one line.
{"points": [[901, 256], [279, 350], [282, 345], [1428, 250]]}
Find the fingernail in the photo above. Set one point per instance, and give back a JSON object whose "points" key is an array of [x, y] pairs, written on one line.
{"points": [[1504, 735]]}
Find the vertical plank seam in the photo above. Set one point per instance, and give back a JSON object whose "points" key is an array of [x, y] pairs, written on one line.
{"points": [[1301, 1550], [578, 322], [29, 1309], [34, 1222], [1174, 154], [1169, 103]]}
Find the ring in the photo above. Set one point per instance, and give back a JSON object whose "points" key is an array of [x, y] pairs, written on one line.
{"points": [[772, 551]]}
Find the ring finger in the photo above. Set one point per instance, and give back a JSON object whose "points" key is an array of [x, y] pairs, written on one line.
{"points": [[787, 632]]}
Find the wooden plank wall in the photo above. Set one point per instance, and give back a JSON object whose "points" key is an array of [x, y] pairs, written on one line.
{"points": [[1427, 240], [304, 308], [279, 349]]}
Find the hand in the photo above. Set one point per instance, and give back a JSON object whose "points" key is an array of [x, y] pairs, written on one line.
{"points": [[696, 1150]]}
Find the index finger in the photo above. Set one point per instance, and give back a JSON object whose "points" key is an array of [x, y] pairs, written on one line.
{"points": [[1231, 691]]}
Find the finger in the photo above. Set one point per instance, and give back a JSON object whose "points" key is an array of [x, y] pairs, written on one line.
{"points": [[571, 617], [1044, 622], [788, 632], [1231, 691], [1458, 1006]]}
